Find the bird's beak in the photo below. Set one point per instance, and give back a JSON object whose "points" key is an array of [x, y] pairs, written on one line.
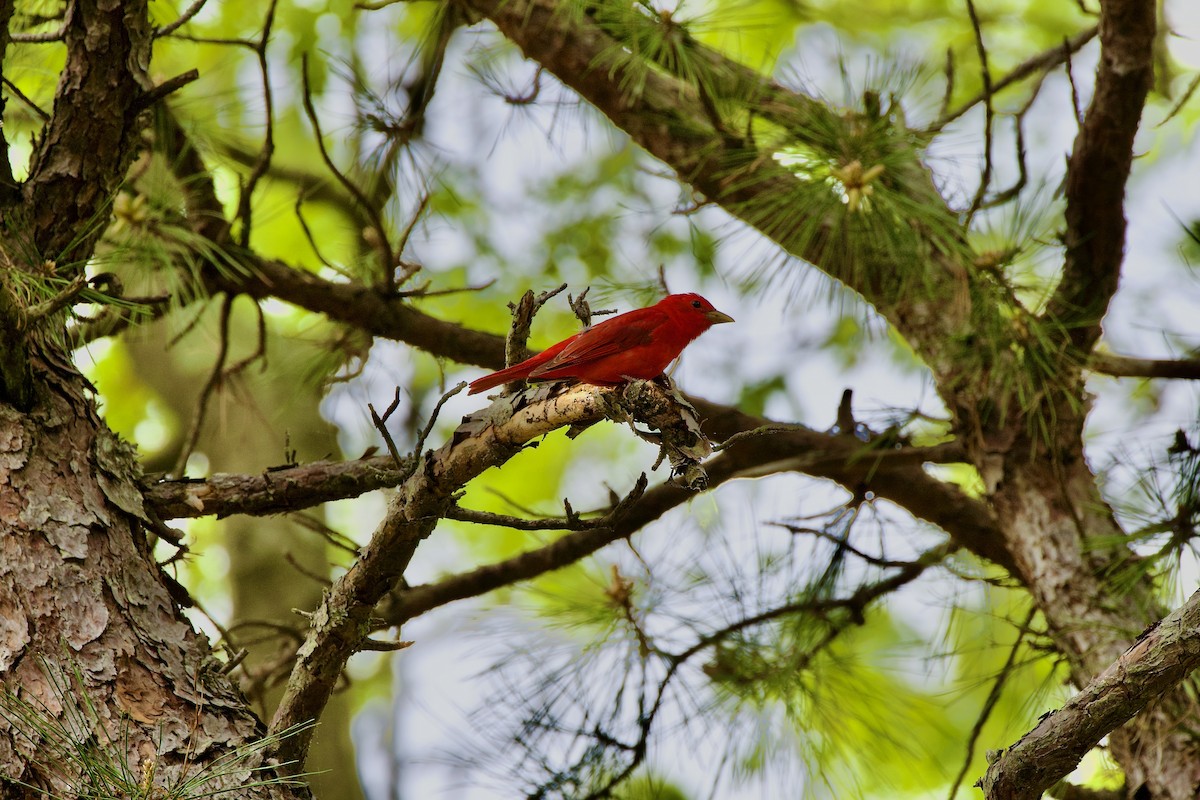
{"points": [[716, 317]]}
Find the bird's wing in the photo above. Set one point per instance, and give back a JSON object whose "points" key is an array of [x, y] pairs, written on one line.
{"points": [[616, 335]]}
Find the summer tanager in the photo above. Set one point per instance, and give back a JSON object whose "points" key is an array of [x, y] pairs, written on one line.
{"points": [[636, 344]]}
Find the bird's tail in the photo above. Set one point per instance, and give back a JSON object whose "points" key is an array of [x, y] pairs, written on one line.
{"points": [[513, 373]]}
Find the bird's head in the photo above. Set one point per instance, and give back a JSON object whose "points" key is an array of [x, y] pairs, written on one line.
{"points": [[693, 310]]}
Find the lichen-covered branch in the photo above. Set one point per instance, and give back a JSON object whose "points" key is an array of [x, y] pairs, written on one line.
{"points": [[340, 626], [276, 490], [968, 521]]}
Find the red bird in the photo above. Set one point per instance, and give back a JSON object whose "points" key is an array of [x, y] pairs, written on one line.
{"points": [[636, 344]]}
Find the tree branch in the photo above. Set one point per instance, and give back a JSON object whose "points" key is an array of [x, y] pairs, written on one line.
{"points": [[964, 518], [341, 624], [1128, 367], [1099, 168], [901, 479], [669, 118], [277, 490], [1042, 62], [1155, 663], [893, 474]]}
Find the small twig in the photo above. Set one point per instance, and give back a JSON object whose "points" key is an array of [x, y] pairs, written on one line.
{"points": [[523, 311], [308, 235], [989, 704], [948, 94], [320, 580], [1022, 167], [424, 292], [1069, 68], [1126, 367], [214, 380], [12, 87], [263, 162], [380, 423], [428, 429], [183, 19], [581, 307], [846, 423], [762, 430], [165, 88], [379, 239], [222, 40], [56, 303], [260, 350], [235, 659], [1183, 101], [568, 523], [842, 544], [377, 646], [407, 233], [584, 311], [333, 537], [1042, 62], [190, 325], [989, 114], [531, 96]]}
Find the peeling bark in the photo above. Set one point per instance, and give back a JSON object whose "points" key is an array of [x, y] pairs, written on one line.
{"points": [[81, 595]]}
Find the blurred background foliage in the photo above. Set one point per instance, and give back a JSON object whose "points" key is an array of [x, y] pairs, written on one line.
{"points": [[508, 182]]}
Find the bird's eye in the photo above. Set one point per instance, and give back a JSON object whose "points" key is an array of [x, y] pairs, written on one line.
{"points": [[695, 304]]}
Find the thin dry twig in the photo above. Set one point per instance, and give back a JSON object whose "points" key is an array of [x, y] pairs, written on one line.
{"points": [[989, 115], [379, 239], [1043, 62], [312, 243], [210, 386], [989, 704], [523, 312], [265, 153], [188, 14], [17, 93], [380, 423]]}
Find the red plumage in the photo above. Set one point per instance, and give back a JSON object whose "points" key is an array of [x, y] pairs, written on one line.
{"points": [[636, 344]]}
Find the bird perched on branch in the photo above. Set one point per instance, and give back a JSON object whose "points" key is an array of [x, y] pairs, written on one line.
{"points": [[636, 344]]}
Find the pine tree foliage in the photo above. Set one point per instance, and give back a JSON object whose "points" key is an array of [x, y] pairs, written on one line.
{"points": [[303, 226]]}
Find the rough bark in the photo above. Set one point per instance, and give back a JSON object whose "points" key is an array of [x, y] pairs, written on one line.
{"points": [[1153, 665], [92, 643], [82, 595], [82, 154]]}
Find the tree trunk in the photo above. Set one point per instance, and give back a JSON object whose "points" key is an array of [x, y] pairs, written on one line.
{"points": [[93, 647]]}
